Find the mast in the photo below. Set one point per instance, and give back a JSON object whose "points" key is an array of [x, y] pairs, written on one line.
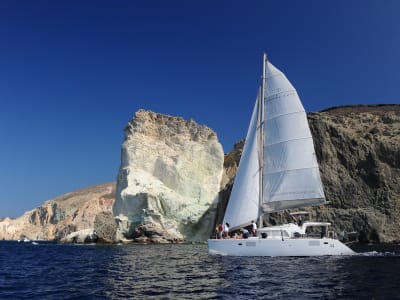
{"points": [[261, 140]]}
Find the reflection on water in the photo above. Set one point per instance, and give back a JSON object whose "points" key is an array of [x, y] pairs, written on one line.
{"points": [[188, 272], [157, 271]]}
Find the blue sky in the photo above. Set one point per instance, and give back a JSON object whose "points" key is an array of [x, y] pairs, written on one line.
{"points": [[73, 73]]}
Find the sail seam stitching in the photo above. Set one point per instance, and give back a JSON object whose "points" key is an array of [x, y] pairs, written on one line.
{"points": [[291, 170], [291, 113], [304, 138]]}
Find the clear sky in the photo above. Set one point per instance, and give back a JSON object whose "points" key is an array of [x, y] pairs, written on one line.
{"points": [[73, 73]]}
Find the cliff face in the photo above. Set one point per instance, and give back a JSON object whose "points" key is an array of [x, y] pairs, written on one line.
{"points": [[358, 148], [57, 218], [169, 179], [173, 171]]}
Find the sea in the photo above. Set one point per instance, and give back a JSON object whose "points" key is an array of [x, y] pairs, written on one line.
{"points": [[43, 270]]}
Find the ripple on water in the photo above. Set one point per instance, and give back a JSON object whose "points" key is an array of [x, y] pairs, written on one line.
{"points": [[188, 272]]}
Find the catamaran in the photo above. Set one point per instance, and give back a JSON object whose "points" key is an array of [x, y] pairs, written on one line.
{"points": [[278, 171]]}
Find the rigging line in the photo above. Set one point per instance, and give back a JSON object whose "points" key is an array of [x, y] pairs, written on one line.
{"points": [[261, 125]]}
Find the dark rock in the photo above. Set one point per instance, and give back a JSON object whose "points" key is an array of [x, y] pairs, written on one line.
{"points": [[105, 227]]}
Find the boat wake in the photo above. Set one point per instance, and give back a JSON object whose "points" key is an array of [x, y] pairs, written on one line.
{"points": [[379, 254]]}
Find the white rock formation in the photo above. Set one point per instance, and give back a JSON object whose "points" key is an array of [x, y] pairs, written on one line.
{"points": [[169, 179], [82, 236]]}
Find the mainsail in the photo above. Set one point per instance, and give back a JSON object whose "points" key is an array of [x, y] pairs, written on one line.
{"points": [[289, 168]]}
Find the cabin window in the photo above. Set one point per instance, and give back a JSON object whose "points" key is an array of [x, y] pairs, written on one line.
{"points": [[277, 233], [313, 243]]}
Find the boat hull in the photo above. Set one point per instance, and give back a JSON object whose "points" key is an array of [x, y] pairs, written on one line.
{"points": [[278, 247]]}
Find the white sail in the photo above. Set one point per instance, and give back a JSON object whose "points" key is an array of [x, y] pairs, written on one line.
{"points": [[291, 173], [291, 176], [243, 205]]}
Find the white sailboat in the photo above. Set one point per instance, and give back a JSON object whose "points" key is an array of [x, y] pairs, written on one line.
{"points": [[278, 170]]}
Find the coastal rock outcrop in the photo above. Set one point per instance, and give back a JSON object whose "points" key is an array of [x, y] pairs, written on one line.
{"points": [[62, 216], [169, 179], [174, 183], [358, 148]]}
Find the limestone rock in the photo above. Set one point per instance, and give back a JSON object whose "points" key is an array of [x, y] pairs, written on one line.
{"points": [[81, 236], [169, 179], [61, 216]]}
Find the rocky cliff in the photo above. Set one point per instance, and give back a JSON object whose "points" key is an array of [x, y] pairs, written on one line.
{"points": [[65, 217], [172, 170], [169, 179], [358, 148]]}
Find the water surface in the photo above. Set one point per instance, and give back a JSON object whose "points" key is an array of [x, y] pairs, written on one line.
{"points": [[49, 271]]}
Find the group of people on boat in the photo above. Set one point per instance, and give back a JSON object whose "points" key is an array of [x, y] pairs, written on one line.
{"points": [[222, 232]]}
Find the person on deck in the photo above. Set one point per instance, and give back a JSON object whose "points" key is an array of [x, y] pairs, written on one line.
{"points": [[300, 221], [254, 228], [226, 230], [220, 230]]}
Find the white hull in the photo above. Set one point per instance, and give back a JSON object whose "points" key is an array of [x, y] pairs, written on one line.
{"points": [[277, 247]]}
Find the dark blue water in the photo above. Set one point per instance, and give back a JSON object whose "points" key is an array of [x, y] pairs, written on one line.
{"points": [[57, 271]]}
